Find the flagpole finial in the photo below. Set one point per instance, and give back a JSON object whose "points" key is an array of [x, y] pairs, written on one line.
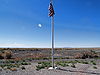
{"points": [[51, 1]]}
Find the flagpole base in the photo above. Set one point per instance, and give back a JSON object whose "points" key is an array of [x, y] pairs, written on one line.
{"points": [[52, 68]]}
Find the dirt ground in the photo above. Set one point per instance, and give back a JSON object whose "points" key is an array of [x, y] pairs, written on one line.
{"points": [[81, 69]]}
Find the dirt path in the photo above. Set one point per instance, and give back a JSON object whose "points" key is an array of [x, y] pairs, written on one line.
{"points": [[82, 69]]}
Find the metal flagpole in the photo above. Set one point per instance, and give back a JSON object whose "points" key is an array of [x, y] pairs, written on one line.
{"points": [[52, 22], [51, 14]]}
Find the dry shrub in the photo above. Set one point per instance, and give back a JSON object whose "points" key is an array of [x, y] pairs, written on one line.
{"points": [[8, 54], [90, 54], [78, 56], [86, 54], [13, 69], [1, 56]]}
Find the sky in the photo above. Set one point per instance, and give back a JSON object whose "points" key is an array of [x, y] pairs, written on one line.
{"points": [[26, 24]]}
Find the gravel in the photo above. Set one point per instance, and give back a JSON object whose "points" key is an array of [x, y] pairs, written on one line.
{"points": [[81, 69]]}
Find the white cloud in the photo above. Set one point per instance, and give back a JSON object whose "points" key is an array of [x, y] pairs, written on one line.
{"points": [[39, 25]]}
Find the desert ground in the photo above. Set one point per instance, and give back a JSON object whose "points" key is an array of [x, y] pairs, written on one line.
{"points": [[70, 61]]}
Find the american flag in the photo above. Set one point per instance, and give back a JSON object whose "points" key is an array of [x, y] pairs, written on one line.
{"points": [[51, 13]]}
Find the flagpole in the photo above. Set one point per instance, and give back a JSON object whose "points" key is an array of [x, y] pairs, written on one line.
{"points": [[51, 14], [52, 22]]}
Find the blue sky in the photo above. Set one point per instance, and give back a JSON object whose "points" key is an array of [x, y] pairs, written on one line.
{"points": [[25, 23]]}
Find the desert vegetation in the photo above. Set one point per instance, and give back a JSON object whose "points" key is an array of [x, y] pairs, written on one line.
{"points": [[6, 54], [43, 65], [86, 54]]}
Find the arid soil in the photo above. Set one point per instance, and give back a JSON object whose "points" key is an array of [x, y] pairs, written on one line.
{"points": [[81, 69]]}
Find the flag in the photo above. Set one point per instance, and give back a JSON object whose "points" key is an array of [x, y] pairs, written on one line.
{"points": [[51, 13]]}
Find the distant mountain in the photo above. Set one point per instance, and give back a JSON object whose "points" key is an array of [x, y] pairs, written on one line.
{"points": [[67, 47]]}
